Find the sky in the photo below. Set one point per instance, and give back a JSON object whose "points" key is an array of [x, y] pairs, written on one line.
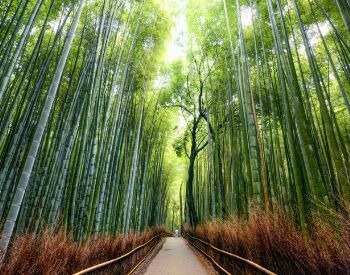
{"points": [[176, 47]]}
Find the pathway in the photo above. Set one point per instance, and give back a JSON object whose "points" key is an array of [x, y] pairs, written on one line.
{"points": [[176, 258]]}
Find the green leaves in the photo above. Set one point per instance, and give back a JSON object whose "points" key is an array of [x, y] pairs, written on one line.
{"points": [[83, 173], [274, 61], [179, 146]]}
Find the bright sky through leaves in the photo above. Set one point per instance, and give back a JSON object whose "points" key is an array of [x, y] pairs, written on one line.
{"points": [[176, 47]]}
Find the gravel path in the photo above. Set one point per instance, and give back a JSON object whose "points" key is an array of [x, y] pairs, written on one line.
{"points": [[176, 258]]}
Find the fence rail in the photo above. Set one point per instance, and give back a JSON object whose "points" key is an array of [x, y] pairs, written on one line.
{"points": [[104, 264], [241, 259]]}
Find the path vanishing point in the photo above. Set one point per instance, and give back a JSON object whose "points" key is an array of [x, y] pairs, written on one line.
{"points": [[177, 258]]}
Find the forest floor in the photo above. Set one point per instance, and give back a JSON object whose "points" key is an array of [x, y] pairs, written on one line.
{"points": [[177, 258]]}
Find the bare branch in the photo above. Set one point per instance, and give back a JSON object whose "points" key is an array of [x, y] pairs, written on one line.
{"points": [[202, 147], [184, 108], [202, 139], [184, 144]]}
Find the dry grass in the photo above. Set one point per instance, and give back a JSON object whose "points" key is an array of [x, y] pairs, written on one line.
{"points": [[50, 253], [275, 243]]}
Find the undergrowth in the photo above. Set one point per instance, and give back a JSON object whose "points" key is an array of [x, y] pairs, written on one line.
{"points": [[52, 253], [274, 242]]}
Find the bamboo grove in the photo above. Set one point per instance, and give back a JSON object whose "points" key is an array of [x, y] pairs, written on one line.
{"points": [[265, 93], [85, 136], [81, 141]]}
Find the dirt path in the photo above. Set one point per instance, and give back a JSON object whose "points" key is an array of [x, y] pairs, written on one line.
{"points": [[176, 258]]}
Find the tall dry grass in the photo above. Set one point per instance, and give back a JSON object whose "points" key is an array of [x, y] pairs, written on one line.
{"points": [[50, 253], [274, 242]]}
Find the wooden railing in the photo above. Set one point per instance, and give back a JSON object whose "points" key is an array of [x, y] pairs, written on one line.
{"points": [[119, 259], [247, 262]]}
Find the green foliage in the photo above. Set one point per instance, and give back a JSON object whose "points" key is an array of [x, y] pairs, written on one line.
{"points": [[278, 109], [263, 101], [100, 164], [178, 146]]}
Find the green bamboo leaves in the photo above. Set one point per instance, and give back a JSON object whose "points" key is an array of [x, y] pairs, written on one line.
{"points": [[83, 140], [274, 96], [35, 143], [74, 150]]}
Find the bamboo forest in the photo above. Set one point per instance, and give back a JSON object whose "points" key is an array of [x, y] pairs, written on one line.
{"points": [[130, 129]]}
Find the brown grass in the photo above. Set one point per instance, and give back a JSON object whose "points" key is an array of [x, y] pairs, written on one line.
{"points": [[50, 253], [278, 245]]}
